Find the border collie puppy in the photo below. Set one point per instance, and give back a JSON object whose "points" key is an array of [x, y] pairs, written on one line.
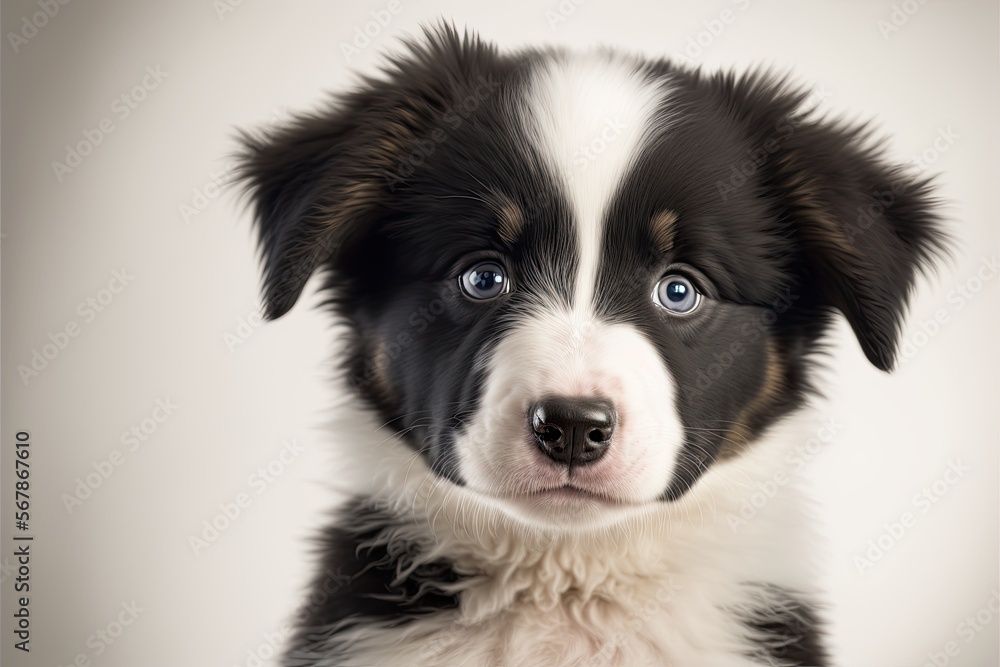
{"points": [[582, 293]]}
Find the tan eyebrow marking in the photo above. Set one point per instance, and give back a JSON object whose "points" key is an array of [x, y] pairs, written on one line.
{"points": [[511, 219], [662, 230]]}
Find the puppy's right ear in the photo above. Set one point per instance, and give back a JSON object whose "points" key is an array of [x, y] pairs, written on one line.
{"points": [[316, 184], [307, 192]]}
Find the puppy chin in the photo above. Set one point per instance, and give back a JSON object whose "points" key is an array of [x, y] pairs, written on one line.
{"points": [[542, 497], [569, 510]]}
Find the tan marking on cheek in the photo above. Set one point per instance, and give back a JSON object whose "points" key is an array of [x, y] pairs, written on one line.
{"points": [[382, 369], [741, 434], [662, 229], [375, 373]]}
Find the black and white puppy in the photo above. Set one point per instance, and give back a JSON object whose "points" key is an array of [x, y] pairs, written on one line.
{"points": [[582, 294]]}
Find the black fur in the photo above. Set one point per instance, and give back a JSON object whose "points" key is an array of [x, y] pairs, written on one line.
{"points": [[787, 629], [362, 580]]}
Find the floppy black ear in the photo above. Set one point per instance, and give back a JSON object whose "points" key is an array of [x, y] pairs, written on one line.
{"points": [[866, 229], [864, 226], [317, 184], [298, 182]]}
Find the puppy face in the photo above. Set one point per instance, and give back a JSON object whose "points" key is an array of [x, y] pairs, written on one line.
{"points": [[576, 281]]}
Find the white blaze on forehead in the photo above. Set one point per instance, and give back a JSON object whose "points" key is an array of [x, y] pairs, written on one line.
{"points": [[590, 116]]}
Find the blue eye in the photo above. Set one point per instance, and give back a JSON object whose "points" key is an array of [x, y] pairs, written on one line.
{"points": [[484, 281], [677, 294]]}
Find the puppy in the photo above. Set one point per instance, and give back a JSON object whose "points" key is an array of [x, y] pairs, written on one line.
{"points": [[583, 294]]}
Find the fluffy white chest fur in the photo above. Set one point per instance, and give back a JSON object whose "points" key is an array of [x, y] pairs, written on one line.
{"points": [[671, 585]]}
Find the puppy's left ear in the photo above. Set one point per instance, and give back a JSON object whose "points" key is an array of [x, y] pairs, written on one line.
{"points": [[864, 227]]}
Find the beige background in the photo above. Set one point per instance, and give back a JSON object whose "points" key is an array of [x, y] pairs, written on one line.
{"points": [[164, 335]]}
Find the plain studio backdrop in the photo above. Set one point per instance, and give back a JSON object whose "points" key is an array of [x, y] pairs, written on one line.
{"points": [[179, 458]]}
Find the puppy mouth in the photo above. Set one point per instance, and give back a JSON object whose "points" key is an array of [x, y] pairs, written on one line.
{"points": [[570, 493]]}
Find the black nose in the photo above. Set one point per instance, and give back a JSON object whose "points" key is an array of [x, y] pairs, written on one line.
{"points": [[574, 431]]}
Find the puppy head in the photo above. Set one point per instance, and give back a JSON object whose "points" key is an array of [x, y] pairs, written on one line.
{"points": [[576, 281]]}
